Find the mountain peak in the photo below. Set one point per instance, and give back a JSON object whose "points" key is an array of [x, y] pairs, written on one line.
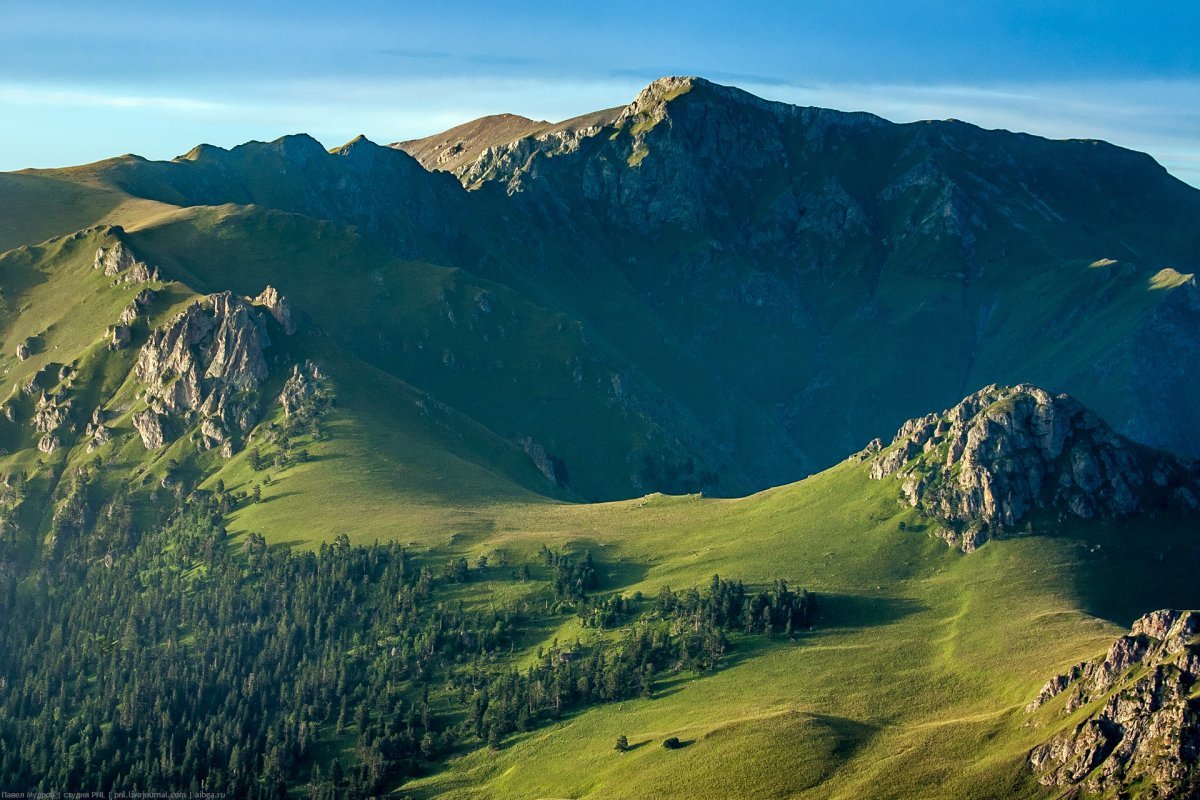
{"points": [[358, 142], [201, 152], [298, 145], [462, 144]]}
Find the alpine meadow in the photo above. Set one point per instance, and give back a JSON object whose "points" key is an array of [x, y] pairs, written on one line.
{"points": [[703, 447]]}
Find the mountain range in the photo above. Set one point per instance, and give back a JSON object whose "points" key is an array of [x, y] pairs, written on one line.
{"points": [[677, 335]]}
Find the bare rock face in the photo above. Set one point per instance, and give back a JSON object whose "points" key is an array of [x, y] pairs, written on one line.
{"points": [[278, 306], [984, 465], [50, 413], [551, 468], [97, 433], [206, 362], [141, 273], [301, 387], [137, 306], [149, 426], [1142, 723], [119, 259], [50, 416], [24, 351], [118, 336], [114, 260]]}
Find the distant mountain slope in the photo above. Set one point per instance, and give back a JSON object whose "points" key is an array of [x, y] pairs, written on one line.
{"points": [[766, 286], [458, 149], [833, 245]]}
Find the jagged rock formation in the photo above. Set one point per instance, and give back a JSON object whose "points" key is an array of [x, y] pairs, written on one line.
{"points": [[97, 433], [301, 387], [208, 363], [1144, 729], [118, 258], [50, 414], [149, 426], [987, 463], [279, 307], [511, 161], [113, 260], [118, 336], [24, 351], [137, 306]]}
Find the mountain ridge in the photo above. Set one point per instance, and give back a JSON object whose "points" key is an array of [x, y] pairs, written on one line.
{"points": [[857, 224]]}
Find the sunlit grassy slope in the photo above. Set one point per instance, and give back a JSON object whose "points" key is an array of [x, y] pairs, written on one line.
{"points": [[912, 685]]}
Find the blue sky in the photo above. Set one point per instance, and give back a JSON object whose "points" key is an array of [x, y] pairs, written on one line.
{"points": [[83, 81]]}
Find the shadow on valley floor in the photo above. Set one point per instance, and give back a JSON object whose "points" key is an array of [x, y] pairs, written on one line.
{"points": [[272, 498], [1124, 569], [615, 575], [862, 611]]}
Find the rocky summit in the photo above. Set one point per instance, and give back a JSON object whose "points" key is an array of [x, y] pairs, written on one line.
{"points": [[1141, 715], [987, 464]]}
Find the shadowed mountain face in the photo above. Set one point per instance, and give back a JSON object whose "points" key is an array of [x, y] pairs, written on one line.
{"points": [[701, 290]]}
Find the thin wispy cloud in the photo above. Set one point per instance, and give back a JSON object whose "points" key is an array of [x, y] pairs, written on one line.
{"points": [[77, 98]]}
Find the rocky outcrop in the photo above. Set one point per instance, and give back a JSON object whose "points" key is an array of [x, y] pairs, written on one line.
{"points": [[118, 336], [149, 426], [24, 351], [1142, 723], [137, 306], [206, 363], [113, 260], [98, 434], [552, 469], [50, 416], [50, 413], [279, 308], [989, 462], [118, 259], [301, 388]]}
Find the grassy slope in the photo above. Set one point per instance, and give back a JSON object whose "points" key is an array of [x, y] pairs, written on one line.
{"points": [[386, 429], [467, 341], [912, 685]]}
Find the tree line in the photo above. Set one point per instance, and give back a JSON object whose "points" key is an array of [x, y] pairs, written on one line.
{"points": [[181, 660]]}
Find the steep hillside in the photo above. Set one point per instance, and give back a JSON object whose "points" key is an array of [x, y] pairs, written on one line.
{"points": [[913, 679], [802, 234], [144, 381], [750, 289]]}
